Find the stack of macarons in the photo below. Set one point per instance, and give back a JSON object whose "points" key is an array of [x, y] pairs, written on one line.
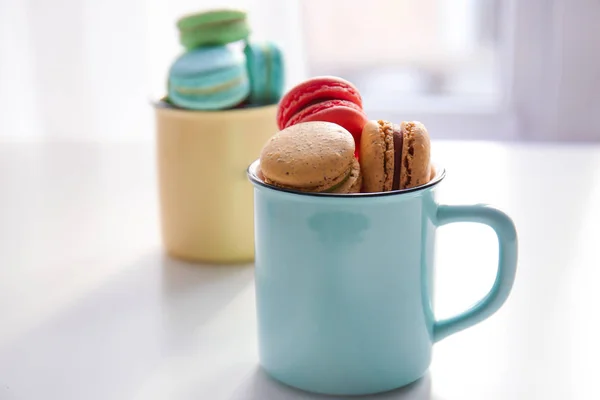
{"points": [[328, 145], [323, 98], [215, 73]]}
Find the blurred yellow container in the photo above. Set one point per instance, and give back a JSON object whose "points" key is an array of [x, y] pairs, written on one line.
{"points": [[205, 198]]}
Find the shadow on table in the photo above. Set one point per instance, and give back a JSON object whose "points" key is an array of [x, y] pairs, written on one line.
{"points": [[193, 293], [259, 386], [119, 330], [179, 277]]}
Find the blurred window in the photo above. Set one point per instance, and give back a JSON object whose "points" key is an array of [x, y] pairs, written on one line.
{"points": [[413, 54], [469, 69]]}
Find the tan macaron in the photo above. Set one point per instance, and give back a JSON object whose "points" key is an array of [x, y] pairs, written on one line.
{"points": [[312, 157], [394, 156]]}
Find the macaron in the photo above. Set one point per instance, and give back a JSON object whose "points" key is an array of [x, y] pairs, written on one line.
{"points": [[324, 98], [394, 157], [209, 78], [266, 71], [215, 27], [312, 157]]}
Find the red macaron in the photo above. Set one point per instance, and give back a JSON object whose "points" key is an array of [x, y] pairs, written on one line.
{"points": [[324, 98]]}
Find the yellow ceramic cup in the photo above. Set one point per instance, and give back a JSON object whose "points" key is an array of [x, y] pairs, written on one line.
{"points": [[205, 198]]}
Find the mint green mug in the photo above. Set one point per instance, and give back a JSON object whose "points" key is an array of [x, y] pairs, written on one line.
{"points": [[344, 284]]}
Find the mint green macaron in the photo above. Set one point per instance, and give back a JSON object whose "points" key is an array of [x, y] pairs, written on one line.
{"points": [[210, 28]]}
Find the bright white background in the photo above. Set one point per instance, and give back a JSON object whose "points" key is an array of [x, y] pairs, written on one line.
{"points": [[473, 69]]}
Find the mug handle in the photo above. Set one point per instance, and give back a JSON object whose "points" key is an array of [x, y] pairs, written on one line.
{"points": [[507, 265]]}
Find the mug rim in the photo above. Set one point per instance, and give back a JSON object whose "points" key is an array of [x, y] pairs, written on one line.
{"points": [[163, 106], [439, 176]]}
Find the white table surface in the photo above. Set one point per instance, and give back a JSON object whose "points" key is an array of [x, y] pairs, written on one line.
{"points": [[90, 308]]}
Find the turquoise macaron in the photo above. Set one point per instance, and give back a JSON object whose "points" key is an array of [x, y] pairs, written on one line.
{"points": [[209, 78], [266, 71]]}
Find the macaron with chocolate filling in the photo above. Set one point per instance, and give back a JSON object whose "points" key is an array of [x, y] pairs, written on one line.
{"points": [[312, 157], [394, 157]]}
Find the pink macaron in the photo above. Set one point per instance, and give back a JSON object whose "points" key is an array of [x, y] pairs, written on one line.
{"points": [[324, 98]]}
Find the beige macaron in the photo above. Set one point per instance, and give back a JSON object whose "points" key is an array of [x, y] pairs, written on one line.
{"points": [[394, 157], [312, 157]]}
